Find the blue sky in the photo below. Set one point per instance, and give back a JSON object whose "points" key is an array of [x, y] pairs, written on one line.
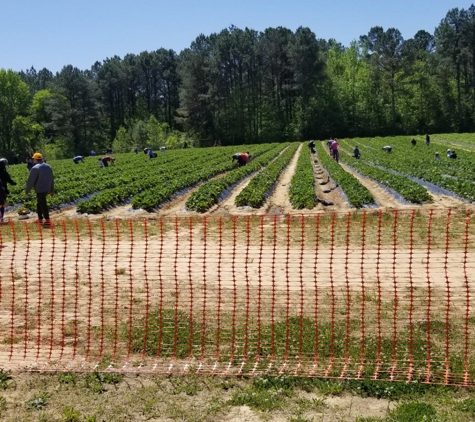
{"points": [[55, 33]]}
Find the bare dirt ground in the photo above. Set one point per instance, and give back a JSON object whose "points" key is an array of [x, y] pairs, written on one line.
{"points": [[96, 280]]}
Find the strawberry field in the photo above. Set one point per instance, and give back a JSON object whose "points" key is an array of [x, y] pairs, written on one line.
{"points": [[202, 177]]}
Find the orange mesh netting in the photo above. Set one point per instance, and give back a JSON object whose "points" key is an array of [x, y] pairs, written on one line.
{"points": [[367, 295]]}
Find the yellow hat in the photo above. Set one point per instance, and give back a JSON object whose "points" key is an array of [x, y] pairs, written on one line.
{"points": [[37, 156]]}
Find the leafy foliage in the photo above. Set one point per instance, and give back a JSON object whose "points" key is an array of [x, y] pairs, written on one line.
{"points": [[5, 379], [208, 194], [409, 190], [456, 176], [38, 402], [149, 183], [302, 186], [357, 194], [248, 86], [414, 412], [255, 193]]}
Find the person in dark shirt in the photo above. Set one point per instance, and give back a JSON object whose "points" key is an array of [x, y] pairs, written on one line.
{"points": [[311, 146], [29, 162], [242, 158], [5, 180], [41, 180], [106, 160]]}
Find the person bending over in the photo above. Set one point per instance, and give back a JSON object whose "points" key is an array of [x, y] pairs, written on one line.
{"points": [[242, 158]]}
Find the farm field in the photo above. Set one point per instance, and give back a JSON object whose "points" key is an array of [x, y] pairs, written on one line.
{"points": [[98, 291], [282, 179]]}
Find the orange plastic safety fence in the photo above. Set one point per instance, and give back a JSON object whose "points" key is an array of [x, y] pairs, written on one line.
{"points": [[356, 295]]}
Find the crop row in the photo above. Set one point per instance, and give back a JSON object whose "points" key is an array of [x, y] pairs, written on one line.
{"points": [[419, 162], [302, 186], [255, 193], [357, 194], [147, 180], [209, 193], [75, 181], [420, 156], [109, 186], [197, 171], [409, 190], [456, 140]]}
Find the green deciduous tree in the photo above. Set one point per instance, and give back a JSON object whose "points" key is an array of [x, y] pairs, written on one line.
{"points": [[123, 142], [14, 101], [27, 135]]}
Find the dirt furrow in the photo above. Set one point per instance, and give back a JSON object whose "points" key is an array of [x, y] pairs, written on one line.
{"points": [[321, 176]]}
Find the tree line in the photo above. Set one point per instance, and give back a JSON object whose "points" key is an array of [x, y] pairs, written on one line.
{"points": [[244, 86]]}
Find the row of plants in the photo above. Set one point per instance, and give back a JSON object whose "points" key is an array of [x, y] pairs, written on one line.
{"points": [[149, 179], [358, 196], [171, 175], [302, 186], [153, 181], [409, 190], [76, 181], [255, 193], [209, 193], [118, 194], [109, 186], [199, 170], [419, 155], [463, 140], [453, 175]]}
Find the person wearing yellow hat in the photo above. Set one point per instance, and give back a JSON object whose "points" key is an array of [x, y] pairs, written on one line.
{"points": [[41, 179]]}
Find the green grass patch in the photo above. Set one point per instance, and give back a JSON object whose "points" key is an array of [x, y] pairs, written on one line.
{"points": [[467, 406], [170, 333], [414, 411]]}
